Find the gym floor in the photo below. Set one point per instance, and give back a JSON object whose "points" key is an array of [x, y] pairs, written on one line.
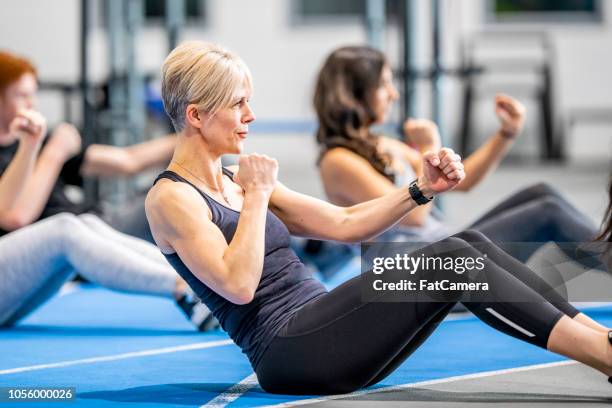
{"points": [[117, 349]]}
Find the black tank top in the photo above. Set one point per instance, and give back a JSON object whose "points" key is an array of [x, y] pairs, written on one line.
{"points": [[285, 285]]}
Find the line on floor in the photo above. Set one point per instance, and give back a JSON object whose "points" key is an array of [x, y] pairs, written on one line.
{"points": [[123, 356], [233, 393]]}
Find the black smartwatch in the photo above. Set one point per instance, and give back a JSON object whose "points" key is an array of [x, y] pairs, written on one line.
{"points": [[417, 194]]}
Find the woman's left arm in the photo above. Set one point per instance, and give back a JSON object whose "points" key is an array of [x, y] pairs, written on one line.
{"points": [[310, 217], [485, 159], [114, 161]]}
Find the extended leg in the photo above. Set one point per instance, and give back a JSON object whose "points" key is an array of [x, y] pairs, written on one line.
{"points": [[535, 223], [338, 343], [38, 258]]}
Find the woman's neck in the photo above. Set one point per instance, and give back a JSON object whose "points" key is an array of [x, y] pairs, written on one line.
{"points": [[194, 160]]}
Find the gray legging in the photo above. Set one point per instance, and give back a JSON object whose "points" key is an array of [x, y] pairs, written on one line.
{"points": [[538, 214], [36, 260]]}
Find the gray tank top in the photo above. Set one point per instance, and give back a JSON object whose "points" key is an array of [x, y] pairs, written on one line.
{"points": [[285, 285]]}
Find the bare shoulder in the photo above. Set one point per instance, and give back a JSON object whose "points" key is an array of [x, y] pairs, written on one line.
{"points": [[337, 156], [169, 201], [174, 209], [340, 158]]}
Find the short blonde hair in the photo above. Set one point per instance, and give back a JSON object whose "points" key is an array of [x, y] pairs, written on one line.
{"points": [[202, 73]]}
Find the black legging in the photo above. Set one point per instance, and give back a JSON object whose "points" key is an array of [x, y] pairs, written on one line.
{"points": [[538, 214], [337, 343]]}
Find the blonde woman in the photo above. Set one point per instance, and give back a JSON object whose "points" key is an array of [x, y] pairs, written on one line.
{"points": [[226, 231]]}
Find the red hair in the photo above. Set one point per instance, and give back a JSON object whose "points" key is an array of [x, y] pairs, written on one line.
{"points": [[12, 67]]}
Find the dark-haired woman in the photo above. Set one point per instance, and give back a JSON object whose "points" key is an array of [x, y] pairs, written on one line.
{"points": [[354, 91]]}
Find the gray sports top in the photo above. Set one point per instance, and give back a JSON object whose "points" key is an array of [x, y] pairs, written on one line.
{"points": [[285, 285]]}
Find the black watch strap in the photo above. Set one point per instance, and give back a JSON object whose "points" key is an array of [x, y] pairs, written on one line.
{"points": [[417, 194]]}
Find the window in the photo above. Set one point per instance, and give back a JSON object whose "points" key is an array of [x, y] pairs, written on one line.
{"points": [[321, 10], [156, 10], [327, 8], [544, 10]]}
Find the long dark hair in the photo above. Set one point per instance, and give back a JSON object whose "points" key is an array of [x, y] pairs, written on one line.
{"points": [[343, 100]]}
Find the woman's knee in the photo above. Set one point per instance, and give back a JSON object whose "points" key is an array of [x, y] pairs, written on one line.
{"points": [[64, 227], [62, 223], [92, 219], [541, 190], [550, 208], [458, 245], [63, 220], [472, 235]]}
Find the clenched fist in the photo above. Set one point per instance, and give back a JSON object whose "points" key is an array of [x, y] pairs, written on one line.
{"points": [[511, 114], [442, 171], [29, 126], [422, 134], [257, 173]]}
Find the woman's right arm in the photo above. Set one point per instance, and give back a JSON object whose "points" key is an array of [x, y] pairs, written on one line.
{"points": [[349, 179], [181, 222], [40, 182], [30, 127]]}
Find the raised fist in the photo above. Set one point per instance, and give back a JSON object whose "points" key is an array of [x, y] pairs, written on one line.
{"points": [[442, 171], [422, 134], [511, 115], [29, 126], [257, 173]]}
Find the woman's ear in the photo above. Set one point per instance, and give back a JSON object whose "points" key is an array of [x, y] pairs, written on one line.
{"points": [[192, 116]]}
